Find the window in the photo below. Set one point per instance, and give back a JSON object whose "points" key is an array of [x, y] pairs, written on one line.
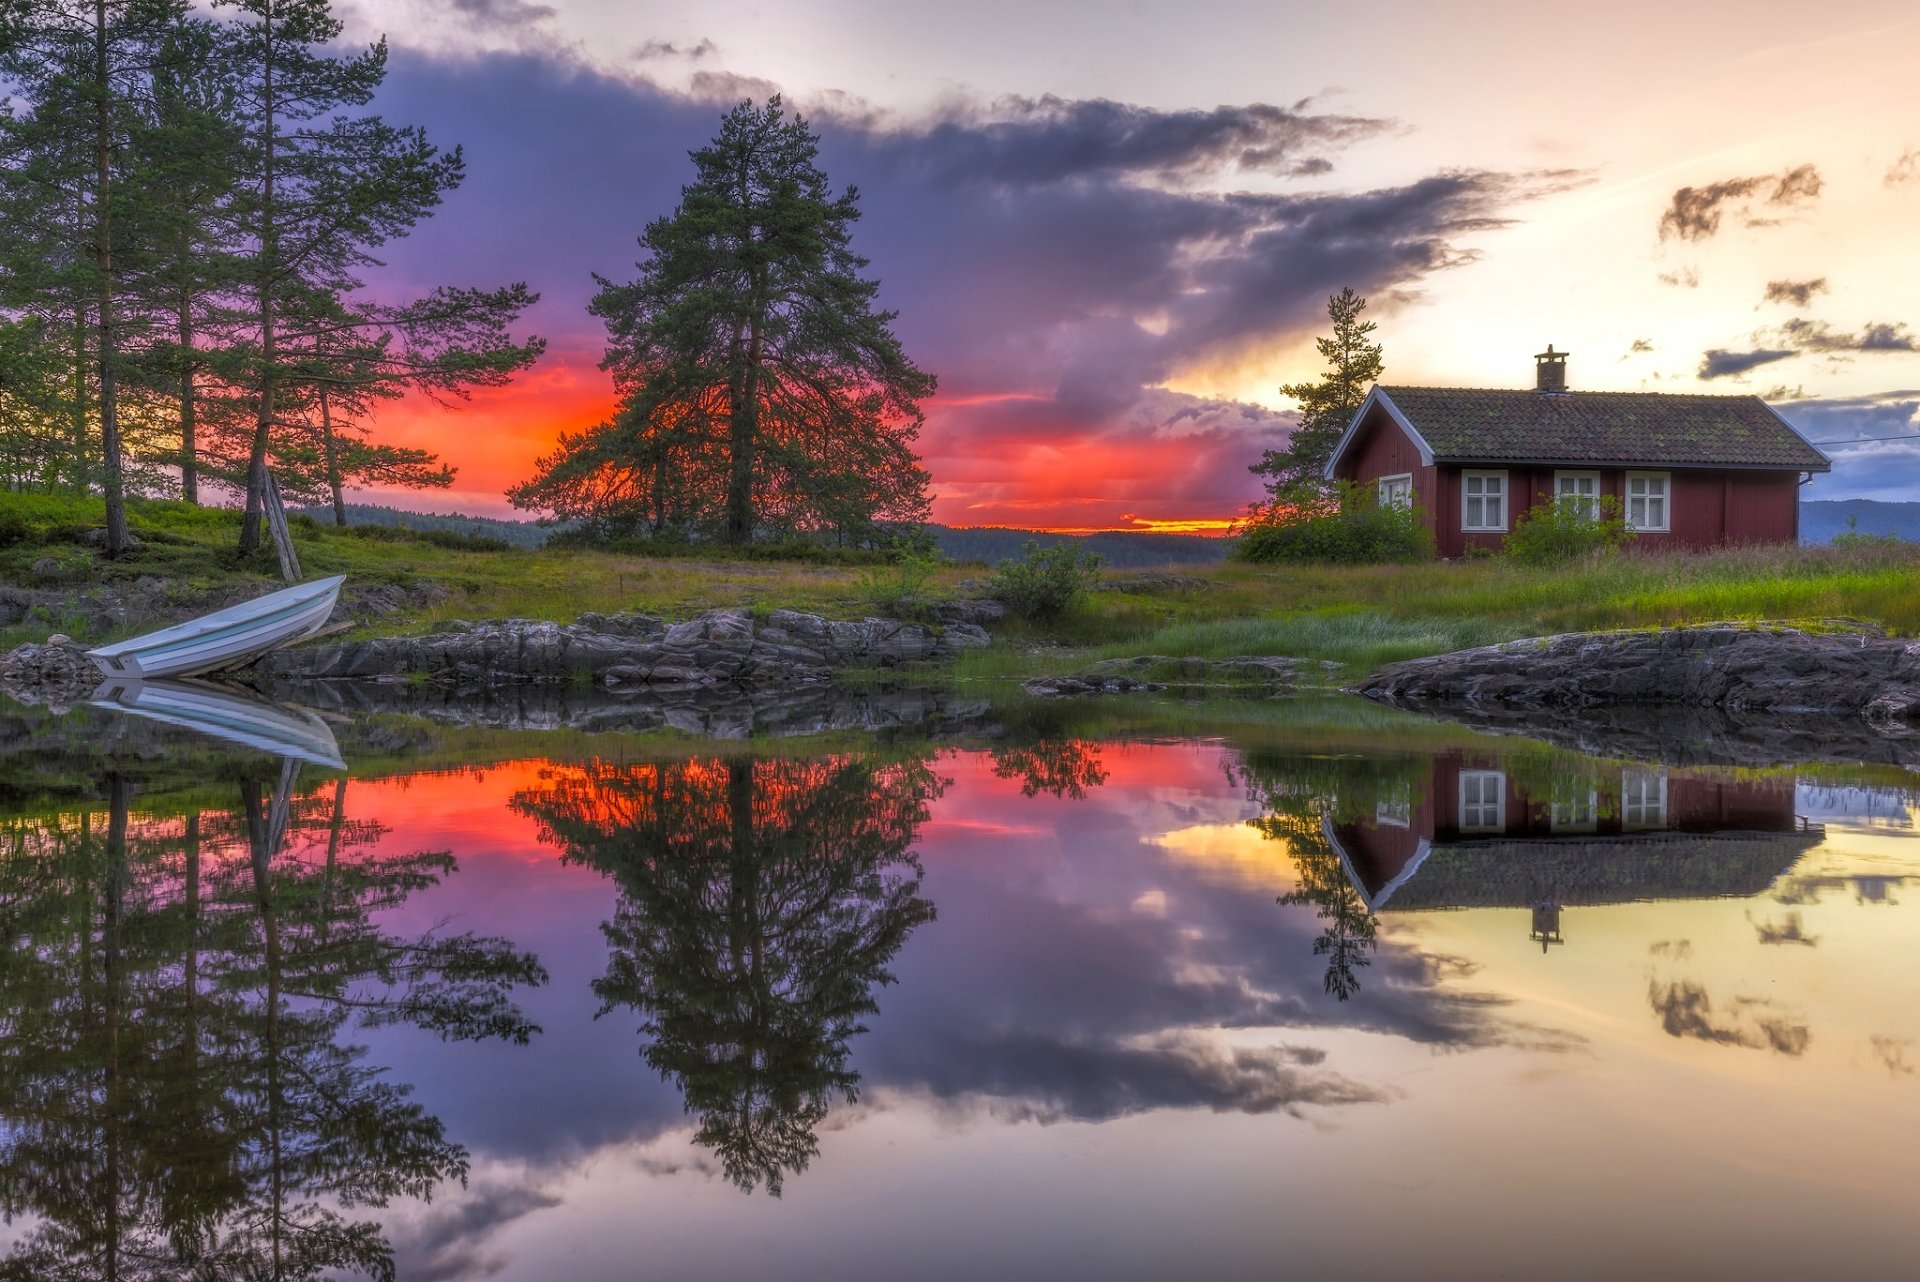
{"points": [[1575, 811], [1643, 799], [1397, 491], [1395, 809], [1647, 500], [1483, 801], [1579, 490], [1483, 501]]}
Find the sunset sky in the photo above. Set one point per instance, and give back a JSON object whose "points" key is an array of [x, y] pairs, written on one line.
{"points": [[1110, 229]]}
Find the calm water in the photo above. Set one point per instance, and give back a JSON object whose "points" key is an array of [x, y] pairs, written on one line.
{"points": [[1327, 990]]}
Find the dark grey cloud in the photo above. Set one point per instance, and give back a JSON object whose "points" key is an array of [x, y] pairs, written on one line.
{"points": [[1906, 169], [1639, 347], [1795, 293], [1694, 213], [1790, 930], [1685, 1010], [450, 1242], [1892, 1052], [655, 49], [1034, 1077], [1884, 464], [1720, 363], [1044, 141], [1681, 278], [1878, 336], [501, 14]]}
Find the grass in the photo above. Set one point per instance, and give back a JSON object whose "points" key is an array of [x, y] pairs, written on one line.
{"points": [[1358, 616]]}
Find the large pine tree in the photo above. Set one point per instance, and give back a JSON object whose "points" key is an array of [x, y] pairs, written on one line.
{"points": [[1328, 406], [761, 393]]}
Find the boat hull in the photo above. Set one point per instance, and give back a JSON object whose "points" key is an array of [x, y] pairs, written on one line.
{"points": [[228, 715], [226, 639]]}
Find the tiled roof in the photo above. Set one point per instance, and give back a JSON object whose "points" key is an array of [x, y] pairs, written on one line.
{"points": [[1515, 872], [1465, 425]]}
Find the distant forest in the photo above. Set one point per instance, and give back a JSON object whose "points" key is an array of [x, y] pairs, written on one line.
{"points": [[1119, 550], [1820, 520]]}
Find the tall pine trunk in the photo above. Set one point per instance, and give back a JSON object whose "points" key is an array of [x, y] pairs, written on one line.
{"points": [[112, 479], [189, 410], [333, 459], [269, 265]]}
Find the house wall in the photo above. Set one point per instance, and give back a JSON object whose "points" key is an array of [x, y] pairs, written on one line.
{"points": [[1382, 449], [1693, 804], [1708, 509]]}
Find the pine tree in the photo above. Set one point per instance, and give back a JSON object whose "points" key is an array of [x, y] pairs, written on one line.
{"points": [[1328, 406], [761, 394], [82, 68]]}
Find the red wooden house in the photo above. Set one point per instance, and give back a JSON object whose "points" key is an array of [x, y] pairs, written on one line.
{"points": [[1688, 471]]}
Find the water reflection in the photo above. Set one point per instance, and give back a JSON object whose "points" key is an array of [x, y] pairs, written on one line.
{"points": [[761, 900], [178, 1093], [1479, 830]]}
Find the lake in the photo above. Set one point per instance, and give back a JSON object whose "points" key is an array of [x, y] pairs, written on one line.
{"points": [[1134, 990]]}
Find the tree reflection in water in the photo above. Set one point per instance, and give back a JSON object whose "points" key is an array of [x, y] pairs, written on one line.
{"points": [[1302, 796], [761, 901], [176, 1096]]}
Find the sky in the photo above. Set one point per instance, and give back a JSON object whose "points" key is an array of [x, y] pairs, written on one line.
{"points": [[1110, 229]]}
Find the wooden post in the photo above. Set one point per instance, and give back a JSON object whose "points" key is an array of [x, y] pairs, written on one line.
{"points": [[276, 513]]}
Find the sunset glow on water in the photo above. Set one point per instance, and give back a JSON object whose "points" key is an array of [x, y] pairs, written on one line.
{"points": [[1079, 994]]}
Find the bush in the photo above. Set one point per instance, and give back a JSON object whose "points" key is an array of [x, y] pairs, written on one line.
{"points": [[1351, 527], [1564, 530], [899, 589], [1045, 582]]}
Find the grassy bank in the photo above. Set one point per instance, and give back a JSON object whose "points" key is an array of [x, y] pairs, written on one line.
{"points": [[1355, 616]]}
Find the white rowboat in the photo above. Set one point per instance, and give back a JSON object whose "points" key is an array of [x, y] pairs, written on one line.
{"points": [[226, 638], [228, 715]]}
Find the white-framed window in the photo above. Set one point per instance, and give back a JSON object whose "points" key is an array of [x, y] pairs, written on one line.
{"points": [[1649, 500], [1483, 801], [1397, 491], [1395, 808], [1643, 799], [1575, 812], [1579, 490], [1483, 501]]}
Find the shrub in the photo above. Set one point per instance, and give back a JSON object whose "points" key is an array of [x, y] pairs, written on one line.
{"points": [[1564, 530], [1851, 537], [1350, 527], [899, 589], [1045, 582]]}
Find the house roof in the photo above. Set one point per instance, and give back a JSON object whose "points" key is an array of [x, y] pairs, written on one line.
{"points": [[1494, 425], [1515, 872]]}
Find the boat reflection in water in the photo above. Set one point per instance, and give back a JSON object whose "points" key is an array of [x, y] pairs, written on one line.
{"points": [[1475, 832], [235, 716]]}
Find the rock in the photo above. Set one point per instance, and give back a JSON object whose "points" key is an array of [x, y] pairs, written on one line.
{"points": [[1761, 669], [980, 613], [53, 569], [58, 672], [631, 651], [98, 539], [1070, 687]]}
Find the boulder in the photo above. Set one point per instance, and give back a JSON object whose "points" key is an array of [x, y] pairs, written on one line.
{"points": [[1761, 669]]}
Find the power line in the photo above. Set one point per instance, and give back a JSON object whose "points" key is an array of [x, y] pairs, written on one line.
{"points": [[1869, 440]]}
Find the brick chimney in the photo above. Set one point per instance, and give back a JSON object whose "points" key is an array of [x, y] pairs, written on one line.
{"points": [[1550, 371]]}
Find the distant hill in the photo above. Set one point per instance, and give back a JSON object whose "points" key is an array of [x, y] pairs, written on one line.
{"points": [[1820, 520], [1119, 550], [521, 534]]}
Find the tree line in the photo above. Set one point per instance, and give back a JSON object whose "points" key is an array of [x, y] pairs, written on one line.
{"points": [[194, 199]]}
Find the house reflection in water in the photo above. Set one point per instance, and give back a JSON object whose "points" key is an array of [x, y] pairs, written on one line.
{"points": [[1479, 835]]}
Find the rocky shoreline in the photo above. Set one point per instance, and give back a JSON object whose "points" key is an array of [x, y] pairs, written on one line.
{"points": [[778, 653], [1778, 670]]}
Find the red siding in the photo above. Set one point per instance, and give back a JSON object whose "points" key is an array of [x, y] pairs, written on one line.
{"points": [[1382, 449]]}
